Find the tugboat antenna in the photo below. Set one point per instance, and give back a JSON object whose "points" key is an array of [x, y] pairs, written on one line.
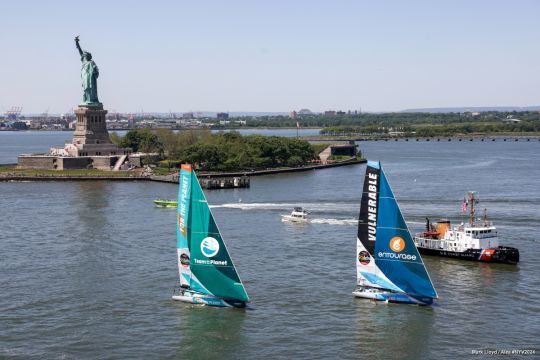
{"points": [[471, 200]]}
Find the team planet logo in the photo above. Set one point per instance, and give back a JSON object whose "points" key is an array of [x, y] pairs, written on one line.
{"points": [[209, 247], [363, 257], [397, 244]]}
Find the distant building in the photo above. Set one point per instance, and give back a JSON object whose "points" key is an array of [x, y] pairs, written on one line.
{"points": [[131, 121], [329, 113], [222, 116], [188, 115], [349, 149], [19, 125], [292, 114], [340, 112], [341, 149], [304, 112]]}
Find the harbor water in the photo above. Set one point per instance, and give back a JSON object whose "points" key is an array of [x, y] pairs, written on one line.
{"points": [[88, 268]]}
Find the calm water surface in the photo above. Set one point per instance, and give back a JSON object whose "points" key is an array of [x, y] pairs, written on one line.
{"points": [[88, 268]]}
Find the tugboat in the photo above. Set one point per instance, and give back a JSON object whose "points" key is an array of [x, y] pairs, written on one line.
{"points": [[476, 240]]}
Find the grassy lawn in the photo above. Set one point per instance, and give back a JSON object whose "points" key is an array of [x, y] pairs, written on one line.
{"points": [[165, 171]]}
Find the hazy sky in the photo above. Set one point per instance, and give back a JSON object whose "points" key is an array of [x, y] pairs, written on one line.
{"points": [[271, 55]]}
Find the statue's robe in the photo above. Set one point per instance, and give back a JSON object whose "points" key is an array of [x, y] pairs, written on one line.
{"points": [[89, 74]]}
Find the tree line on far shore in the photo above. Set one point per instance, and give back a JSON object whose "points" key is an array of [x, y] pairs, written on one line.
{"points": [[223, 151], [424, 124], [429, 130]]}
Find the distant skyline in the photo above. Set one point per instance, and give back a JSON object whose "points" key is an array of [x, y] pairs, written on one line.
{"points": [[271, 56]]}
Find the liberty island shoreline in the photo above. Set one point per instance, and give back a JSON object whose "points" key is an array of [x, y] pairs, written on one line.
{"points": [[13, 175]]}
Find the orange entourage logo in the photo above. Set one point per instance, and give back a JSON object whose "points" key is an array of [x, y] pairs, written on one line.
{"points": [[397, 244]]}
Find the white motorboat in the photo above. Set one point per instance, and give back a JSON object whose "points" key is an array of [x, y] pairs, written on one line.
{"points": [[298, 215]]}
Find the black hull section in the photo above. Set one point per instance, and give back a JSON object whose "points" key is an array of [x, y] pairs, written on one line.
{"points": [[236, 303], [501, 254]]}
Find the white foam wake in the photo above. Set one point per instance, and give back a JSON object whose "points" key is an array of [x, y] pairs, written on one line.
{"points": [[311, 207], [416, 222], [335, 221], [473, 165]]}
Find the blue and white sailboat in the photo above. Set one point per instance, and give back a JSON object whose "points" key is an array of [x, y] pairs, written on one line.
{"points": [[388, 265]]}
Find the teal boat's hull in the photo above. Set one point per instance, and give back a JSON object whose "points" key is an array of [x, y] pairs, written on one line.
{"points": [[192, 297]]}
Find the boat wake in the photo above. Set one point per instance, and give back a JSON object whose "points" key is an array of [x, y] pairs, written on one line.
{"points": [[311, 207], [474, 165], [416, 222], [335, 221], [350, 222]]}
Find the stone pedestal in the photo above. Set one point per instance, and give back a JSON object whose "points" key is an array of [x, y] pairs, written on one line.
{"points": [[91, 137], [91, 127], [91, 146]]}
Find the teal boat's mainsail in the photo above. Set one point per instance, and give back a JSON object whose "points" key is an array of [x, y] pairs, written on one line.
{"points": [[203, 260], [387, 256]]}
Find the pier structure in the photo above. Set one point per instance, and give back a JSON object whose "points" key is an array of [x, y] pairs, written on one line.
{"points": [[210, 182]]}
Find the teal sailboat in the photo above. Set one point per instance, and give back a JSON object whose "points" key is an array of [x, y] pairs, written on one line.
{"points": [[388, 265], [207, 273]]}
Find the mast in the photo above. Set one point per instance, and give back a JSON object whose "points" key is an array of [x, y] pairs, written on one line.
{"points": [[472, 200], [183, 231]]}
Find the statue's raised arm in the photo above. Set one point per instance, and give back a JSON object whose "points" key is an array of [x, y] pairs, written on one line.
{"points": [[78, 46], [89, 75]]}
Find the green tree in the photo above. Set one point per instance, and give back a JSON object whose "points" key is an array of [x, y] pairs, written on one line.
{"points": [[142, 140]]}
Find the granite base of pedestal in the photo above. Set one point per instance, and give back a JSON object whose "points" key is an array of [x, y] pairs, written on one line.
{"points": [[50, 162]]}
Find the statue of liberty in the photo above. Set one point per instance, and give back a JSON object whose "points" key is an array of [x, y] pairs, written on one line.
{"points": [[89, 75]]}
